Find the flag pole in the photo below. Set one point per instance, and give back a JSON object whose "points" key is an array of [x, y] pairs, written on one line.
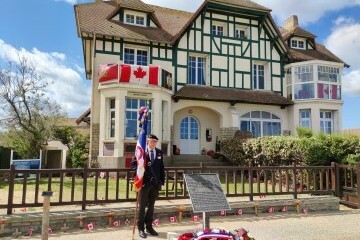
{"points": [[135, 215]]}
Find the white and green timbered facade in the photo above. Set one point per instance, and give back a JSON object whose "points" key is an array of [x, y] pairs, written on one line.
{"points": [[204, 75]]}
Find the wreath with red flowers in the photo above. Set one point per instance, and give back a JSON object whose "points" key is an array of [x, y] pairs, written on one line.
{"points": [[216, 234]]}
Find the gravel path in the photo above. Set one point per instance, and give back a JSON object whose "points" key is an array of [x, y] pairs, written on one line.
{"points": [[343, 224]]}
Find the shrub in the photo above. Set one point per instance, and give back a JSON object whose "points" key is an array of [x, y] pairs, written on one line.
{"points": [[304, 132], [352, 159]]}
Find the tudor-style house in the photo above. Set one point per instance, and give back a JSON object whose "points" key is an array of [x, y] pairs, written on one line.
{"points": [[204, 75]]}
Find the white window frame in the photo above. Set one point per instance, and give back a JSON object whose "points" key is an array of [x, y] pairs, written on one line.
{"points": [[326, 119], [136, 49], [239, 29], [217, 30], [274, 118], [295, 43], [304, 120], [134, 15], [111, 118], [197, 81], [149, 103], [256, 79]]}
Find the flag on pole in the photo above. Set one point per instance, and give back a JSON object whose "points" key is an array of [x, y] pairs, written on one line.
{"points": [[90, 226], [172, 219], [223, 213], [271, 210], [141, 148], [156, 222], [239, 212], [195, 218], [139, 74], [284, 209], [108, 73], [116, 223]]}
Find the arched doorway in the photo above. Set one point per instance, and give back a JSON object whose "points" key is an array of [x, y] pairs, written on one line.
{"points": [[189, 135]]}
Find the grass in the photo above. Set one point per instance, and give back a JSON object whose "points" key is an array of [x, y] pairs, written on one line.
{"points": [[90, 193]]}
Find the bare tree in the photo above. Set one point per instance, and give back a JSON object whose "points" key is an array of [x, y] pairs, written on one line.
{"points": [[28, 115]]}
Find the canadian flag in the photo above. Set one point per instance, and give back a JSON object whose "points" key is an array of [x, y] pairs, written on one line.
{"points": [[23, 210], [239, 212], [271, 209], [305, 211], [108, 73], [284, 209], [223, 213], [90, 226], [262, 196], [116, 223], [195, 218], [139, 74], [127, 222], [156, 222], [50, 230], [172, 219]]}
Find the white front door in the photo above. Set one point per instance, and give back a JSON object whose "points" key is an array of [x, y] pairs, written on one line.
{"points": [[189, 136]]}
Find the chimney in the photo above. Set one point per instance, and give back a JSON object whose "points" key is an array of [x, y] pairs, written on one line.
{"points": [[291, 23]]}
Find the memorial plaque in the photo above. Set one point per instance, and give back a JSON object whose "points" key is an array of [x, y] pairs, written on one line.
{"points": [[206, 193]]}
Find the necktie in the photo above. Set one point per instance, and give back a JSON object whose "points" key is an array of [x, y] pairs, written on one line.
{"points": [[152, 155]]}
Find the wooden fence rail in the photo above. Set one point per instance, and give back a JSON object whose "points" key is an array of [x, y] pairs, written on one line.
{"points": [[98, 186]]}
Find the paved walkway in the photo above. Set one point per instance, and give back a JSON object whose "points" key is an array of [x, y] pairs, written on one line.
{"points": [[279, 226]]}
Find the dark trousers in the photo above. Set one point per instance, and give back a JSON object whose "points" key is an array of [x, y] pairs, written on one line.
{"points": [[147, 196]]}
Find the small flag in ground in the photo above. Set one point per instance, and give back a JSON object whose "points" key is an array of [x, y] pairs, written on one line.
{"points": [[127, 222], [90, 226], [271, 209], [116, 223], [223, 213], [262, 196], [23, 210], [239, 212], [156, 222], [102, 175], [172, 219], [305, 211], [284, 209], [29, 232], [195, 218], [50, 230]]}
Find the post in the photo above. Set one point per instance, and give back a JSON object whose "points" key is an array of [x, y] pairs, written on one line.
{"points": [[85, 174], [206, 221], [334, 185], [294, 180], [46, 213], [11, 189], [251, 181]]}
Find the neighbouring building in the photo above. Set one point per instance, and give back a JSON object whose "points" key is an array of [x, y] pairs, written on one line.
{"points": [[204, 75]]}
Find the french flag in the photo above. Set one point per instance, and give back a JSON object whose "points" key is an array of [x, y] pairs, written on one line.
{"points": [[140, 149], [139, 74]]}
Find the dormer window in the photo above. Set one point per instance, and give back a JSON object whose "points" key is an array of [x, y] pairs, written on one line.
{"points": [[300, 44], [134, 18]]}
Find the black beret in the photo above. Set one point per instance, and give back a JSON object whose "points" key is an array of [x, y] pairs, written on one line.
{"points": [[152, 136]]}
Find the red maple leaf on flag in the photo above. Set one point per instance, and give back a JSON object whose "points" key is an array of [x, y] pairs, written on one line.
{"points": [[140, 73]]}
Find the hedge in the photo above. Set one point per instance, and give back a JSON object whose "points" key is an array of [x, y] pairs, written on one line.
{"points": [[318, 150]]}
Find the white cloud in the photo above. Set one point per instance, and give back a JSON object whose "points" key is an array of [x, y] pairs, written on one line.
{"points": [[67, 1], [68, 88], [344, 41]]}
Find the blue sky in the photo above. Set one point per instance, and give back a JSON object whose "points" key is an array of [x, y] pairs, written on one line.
{"points": [[45, 30]]}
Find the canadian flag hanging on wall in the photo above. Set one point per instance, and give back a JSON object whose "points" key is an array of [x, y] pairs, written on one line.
{"points": [[139, 74], [89, 226], [108, 72]]}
